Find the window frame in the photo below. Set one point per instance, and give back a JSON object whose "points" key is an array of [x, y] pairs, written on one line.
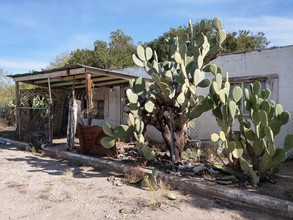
{"points": [[268, 81]]}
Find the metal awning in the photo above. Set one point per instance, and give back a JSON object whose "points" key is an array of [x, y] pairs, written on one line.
{"points": [[66, 77]]}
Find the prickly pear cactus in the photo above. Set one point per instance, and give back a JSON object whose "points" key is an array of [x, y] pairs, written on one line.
{"points": [[171, 101], [257, 130], [173, 95], [138, 101]]}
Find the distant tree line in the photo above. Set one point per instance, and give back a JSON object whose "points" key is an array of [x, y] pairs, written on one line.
{"points": [[118, 52]]}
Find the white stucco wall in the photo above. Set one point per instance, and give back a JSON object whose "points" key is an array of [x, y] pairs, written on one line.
{"points": [[266, 62], [113, 100]]}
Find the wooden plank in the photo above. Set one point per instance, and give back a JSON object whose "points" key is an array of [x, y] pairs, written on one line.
{"points": [[57, 79], [112, 82], [69, 83], [17, 109], [52, 80], [108, 73], [252, 78], [77, 71], [41, 76], [50, 113], [70, 78], [71, 123], [89, 99], [79, 86], [101, 79]]}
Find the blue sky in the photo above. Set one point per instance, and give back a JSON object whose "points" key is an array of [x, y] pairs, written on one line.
{"points": [[34, 32]]}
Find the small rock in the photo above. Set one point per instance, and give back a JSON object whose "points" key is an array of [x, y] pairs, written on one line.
{"points": [[117, 183], [123, 211], [171, 196]]}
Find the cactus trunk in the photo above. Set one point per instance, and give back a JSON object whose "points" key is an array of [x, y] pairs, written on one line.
{"points": [[180, 137]]}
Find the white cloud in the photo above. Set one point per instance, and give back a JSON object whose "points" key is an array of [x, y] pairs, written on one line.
{"points": [[278, 30]]}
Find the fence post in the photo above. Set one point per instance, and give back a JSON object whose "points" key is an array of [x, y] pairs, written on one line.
{"points": [[50, 113], [17, 103]]}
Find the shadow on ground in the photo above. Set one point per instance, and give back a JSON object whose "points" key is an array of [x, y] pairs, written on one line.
{"points": [[60, 167]]}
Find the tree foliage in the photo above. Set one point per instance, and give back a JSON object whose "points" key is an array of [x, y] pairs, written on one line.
{"points": [[7, 89], [161, 45], [7, 93], [115, 54], [243, 40], [60, 61]]}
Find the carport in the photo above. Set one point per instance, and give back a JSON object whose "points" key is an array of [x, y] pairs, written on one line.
{"points": [[77, 80]]}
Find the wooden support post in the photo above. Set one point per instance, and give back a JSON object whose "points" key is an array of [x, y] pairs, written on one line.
{"points": [[89, 98], [50, 113], [17, 103], [72, 119]]}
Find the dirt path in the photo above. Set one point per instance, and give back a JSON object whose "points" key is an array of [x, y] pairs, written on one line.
{"points": [[35, 187]]}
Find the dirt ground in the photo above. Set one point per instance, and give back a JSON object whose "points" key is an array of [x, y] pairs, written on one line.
{"points": [[37, 187]]}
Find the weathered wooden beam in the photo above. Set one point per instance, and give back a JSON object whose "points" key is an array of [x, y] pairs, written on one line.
{"points": [[78, 71], [109, 73], [69, 79], [69, 83], [17, 109], [112, 82], [41, 76], [89, 98], [50, 113], [102, 80]]}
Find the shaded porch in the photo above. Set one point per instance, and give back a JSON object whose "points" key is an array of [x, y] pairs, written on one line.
{"points": [[99, 93]]}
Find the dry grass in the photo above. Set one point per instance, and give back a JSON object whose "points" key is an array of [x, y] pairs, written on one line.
{"points": [[69, 174], [22, 188], [46, 191]]}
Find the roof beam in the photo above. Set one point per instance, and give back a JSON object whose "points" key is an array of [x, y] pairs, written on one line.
{"points": [[100, 79], [41, 76], [66, 83], [77, 71], [121, 81], [109, 73], [70, 78]]}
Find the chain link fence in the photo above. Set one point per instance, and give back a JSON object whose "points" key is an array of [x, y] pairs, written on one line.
{"points": [[7, 115], [286, 129], [33, 121], [202, 128]]}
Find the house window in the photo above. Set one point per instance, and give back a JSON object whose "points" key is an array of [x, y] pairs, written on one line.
{"points": [[98, 111], [100, 102], [267, 82]]}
